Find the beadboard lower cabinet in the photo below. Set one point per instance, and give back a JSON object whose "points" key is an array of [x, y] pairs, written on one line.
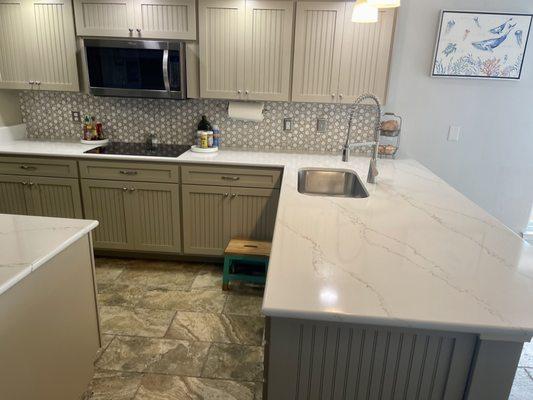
{"points": [[136, 216], [44, 196], [212, 215]]}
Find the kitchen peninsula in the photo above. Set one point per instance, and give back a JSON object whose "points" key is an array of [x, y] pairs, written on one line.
{"points": [[49, 332], [414, 289]]}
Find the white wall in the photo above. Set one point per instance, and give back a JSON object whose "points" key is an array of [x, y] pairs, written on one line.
{"points": [[492, 163], [9, 108]]}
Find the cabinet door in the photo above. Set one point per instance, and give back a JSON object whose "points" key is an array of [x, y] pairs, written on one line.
{"points": [[268, 49], [53, 45], [156, 223], [14, 66], [365, 57], [105, 18], [317, 48], [108, 203], [206, 219], [56, 197], [221, 41], [165, 19], [253, 213], [15, 197]]}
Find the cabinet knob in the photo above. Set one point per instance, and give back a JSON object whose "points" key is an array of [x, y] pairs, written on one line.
{"points": [[37, 83], [31, 183], [340, 95], [132, 189], [239, 91], [246, 92], [138, 30], [226, 194], [234, 195], [31, 82], [131, 30], [333, 95], [125, 189], [24, 183]]}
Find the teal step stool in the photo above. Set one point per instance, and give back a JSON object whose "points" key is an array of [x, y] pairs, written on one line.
{"points": [[248, 252]]}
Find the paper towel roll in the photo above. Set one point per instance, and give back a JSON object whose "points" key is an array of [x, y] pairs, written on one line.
{"points": [[246, 111]]}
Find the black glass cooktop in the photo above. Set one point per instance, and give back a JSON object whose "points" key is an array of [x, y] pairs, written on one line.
{"points": [[140, 149]]}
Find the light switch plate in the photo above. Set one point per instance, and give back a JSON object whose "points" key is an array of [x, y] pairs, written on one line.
{"points": [[453, 133], [321, 125]]}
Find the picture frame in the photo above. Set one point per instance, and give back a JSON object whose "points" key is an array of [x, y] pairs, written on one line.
{"points": [[481, 45]]}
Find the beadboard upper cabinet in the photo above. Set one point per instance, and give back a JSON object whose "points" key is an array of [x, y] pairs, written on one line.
{"points": [[104, 18], [14, 68], [245, 49], [317, 51], [335, 59], [166, 19], [365, 57], [148, 19], [37, 45]]}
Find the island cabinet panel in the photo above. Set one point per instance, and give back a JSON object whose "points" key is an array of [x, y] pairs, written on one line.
{"points": [[206, 219], [156, 219], [312, 360], [106, 202]]}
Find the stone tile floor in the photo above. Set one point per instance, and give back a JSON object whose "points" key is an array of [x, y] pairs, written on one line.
{"points": [[170, 333]]}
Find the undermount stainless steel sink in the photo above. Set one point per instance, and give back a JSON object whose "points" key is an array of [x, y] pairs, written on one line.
{"points": [[330, 182]]}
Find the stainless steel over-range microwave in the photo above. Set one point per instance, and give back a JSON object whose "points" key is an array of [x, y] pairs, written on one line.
{"points": [[135, 68]]}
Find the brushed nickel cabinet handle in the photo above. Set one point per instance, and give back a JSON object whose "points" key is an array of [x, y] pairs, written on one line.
{"points": [[127, 172], [231, 178], [28, 167]]}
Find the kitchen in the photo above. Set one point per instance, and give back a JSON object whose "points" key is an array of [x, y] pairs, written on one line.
{"points": [[386, 274]]}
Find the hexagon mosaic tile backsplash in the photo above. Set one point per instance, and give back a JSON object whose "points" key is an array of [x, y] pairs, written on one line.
{"points": [[48, 116]]}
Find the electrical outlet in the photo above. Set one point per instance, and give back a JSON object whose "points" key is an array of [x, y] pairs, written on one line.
{"points": [[75, 116], [287, 124], [321, 124], [453, 133]]}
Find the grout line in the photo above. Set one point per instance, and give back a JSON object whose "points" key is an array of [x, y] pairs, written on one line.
{"points": [[528, 373]]}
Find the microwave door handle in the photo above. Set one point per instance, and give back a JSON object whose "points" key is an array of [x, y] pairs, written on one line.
{"points": [[166, 78]]}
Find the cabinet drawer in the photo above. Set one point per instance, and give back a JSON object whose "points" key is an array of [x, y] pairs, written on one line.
{"points": [[57, 167], [233, 176], [128, 171]]}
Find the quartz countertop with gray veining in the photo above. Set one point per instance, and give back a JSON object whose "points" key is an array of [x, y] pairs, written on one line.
{"points": [[415, 253], [27, 242]]}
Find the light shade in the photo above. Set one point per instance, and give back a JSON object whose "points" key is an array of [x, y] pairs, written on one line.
{"points": [[364, 12], [384, 3]]}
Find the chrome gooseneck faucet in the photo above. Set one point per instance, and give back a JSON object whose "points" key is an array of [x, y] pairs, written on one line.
{"points": [[372, 169]]}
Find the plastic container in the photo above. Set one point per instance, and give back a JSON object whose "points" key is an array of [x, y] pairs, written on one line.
{"points": [[216, 136]]}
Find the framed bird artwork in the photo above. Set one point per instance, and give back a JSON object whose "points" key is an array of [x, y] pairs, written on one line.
{"points": [[481, 45]]}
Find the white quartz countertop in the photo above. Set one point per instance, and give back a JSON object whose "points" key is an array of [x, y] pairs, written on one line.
{"points": [[27, 242], [415, 253]]}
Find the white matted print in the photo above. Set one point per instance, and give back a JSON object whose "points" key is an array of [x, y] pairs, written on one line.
{"points": [[481, 45]]}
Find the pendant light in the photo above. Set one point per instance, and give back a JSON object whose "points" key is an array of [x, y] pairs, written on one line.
{"points": [[384, 3], [363, 12]]}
